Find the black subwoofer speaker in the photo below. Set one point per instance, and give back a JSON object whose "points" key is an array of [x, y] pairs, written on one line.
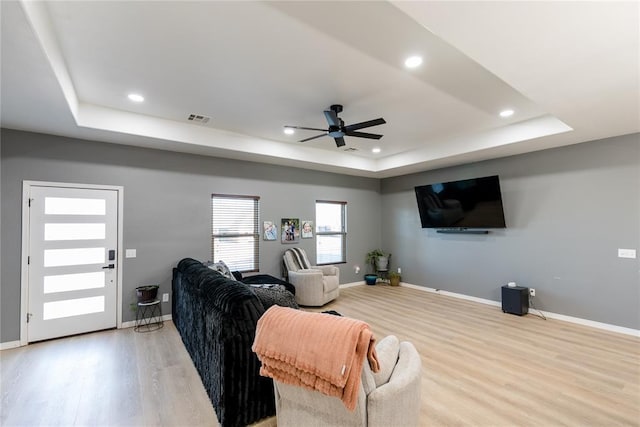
{"points": [[515, 300]]}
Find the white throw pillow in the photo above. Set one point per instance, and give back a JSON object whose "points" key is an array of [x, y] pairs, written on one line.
{"points": [[222, 268]]}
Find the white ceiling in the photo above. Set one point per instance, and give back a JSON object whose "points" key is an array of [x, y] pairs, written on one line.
{"points": [[569, 70]]}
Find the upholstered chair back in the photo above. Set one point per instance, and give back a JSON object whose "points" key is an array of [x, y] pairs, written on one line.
{"points": [[295, 259]]}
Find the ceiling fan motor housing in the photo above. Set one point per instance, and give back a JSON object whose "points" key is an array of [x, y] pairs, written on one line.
{"points": [[335, 131]]}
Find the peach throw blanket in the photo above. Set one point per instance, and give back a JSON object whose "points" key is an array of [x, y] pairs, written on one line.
{"points": [[314, 350]]}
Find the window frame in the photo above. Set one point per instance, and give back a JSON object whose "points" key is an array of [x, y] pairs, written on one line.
{"points": [[342, 232], [255, 234]]}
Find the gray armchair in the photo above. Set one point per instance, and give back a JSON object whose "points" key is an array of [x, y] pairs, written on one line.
{"points": [[390, 397], [315, 285]]}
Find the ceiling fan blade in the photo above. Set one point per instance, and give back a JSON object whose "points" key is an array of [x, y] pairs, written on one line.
{"points": [[301, 127], [364, 135], [366, 124], [332, 118], [339, 141], [313, 137]]}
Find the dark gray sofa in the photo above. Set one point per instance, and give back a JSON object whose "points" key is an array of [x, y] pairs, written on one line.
{"points": [[216, 318]]}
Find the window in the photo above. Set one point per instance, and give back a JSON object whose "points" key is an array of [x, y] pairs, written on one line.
{"points": [[235, 232], [331, 232]]}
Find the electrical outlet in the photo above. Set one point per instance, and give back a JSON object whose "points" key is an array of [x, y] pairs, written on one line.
{"points": [[626, 253], [399, 270], [165, 297], [532, 292]]}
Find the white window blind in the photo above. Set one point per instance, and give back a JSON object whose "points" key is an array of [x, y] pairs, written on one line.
{"points": [[331, 232], [235, 231]]}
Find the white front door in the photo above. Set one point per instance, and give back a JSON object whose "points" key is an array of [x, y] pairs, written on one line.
{"points": [[72, 261]]}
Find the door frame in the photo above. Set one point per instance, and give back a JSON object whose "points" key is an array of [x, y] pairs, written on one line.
{"points": [[24, 276]]}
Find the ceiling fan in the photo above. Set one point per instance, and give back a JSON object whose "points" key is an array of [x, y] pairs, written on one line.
{"points": [[337, 130]]}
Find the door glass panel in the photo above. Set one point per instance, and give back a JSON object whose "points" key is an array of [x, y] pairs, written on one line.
{"points": [[73, 282], [73, 307], [75, 256], [72, 206], [74, 231]]}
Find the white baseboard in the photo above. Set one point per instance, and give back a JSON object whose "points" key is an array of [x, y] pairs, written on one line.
{"points": [[556, 316], [351, 285], [14, 344], [453, 294], [132, 323], [551, 315], [9, 344]]}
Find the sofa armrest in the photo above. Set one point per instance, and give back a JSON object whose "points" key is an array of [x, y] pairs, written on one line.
{"points": [[403, 388]]}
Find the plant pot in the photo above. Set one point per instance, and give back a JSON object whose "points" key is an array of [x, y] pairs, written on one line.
{"points": [[382, 262], [147, 293], [394, 280], [370, 279]]}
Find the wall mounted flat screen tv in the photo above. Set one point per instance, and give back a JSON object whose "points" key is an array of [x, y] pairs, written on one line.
{"points": [[470, 203]]}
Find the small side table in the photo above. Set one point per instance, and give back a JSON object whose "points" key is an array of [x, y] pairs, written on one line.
{"points": [[148, 316], [383, 275]]}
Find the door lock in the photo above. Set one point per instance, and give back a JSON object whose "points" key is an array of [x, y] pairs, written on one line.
{"points": [[110, 266]]}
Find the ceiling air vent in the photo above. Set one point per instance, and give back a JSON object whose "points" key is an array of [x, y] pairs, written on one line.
{"points": [[350, 149], [198, 118]]}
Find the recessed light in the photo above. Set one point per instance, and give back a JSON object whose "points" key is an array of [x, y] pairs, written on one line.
{"points": [[506, 113], [413, 61], [289, 131], [135, 97], [376, 150]]}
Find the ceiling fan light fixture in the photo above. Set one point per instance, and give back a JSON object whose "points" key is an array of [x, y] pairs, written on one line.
{"points": [[413, 61], [289, 131], [135, 97], [506, 113]]}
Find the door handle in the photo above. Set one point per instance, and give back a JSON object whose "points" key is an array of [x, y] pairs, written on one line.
{"points": [[110, 266]]}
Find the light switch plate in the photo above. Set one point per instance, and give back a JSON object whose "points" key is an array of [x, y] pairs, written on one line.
{"points": [[130, 253], [626, 253], [165, 297]]}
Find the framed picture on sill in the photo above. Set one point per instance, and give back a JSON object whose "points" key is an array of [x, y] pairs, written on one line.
{"points": [[290, 230], [307, 229], [270, 231]]}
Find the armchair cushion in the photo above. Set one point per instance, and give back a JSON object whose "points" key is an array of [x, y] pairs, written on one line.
{"points": [[387, 350], [403, 387], [368, 383]]}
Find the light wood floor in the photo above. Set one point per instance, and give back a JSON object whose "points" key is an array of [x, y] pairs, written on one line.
{"points": [[481, 367]]}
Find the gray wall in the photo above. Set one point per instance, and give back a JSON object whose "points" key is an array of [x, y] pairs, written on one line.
{"points": [[167, 206], [567, 211]]}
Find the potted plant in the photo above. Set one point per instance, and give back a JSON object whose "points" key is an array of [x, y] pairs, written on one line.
{"points": [[378, 260], [394, 278]]}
